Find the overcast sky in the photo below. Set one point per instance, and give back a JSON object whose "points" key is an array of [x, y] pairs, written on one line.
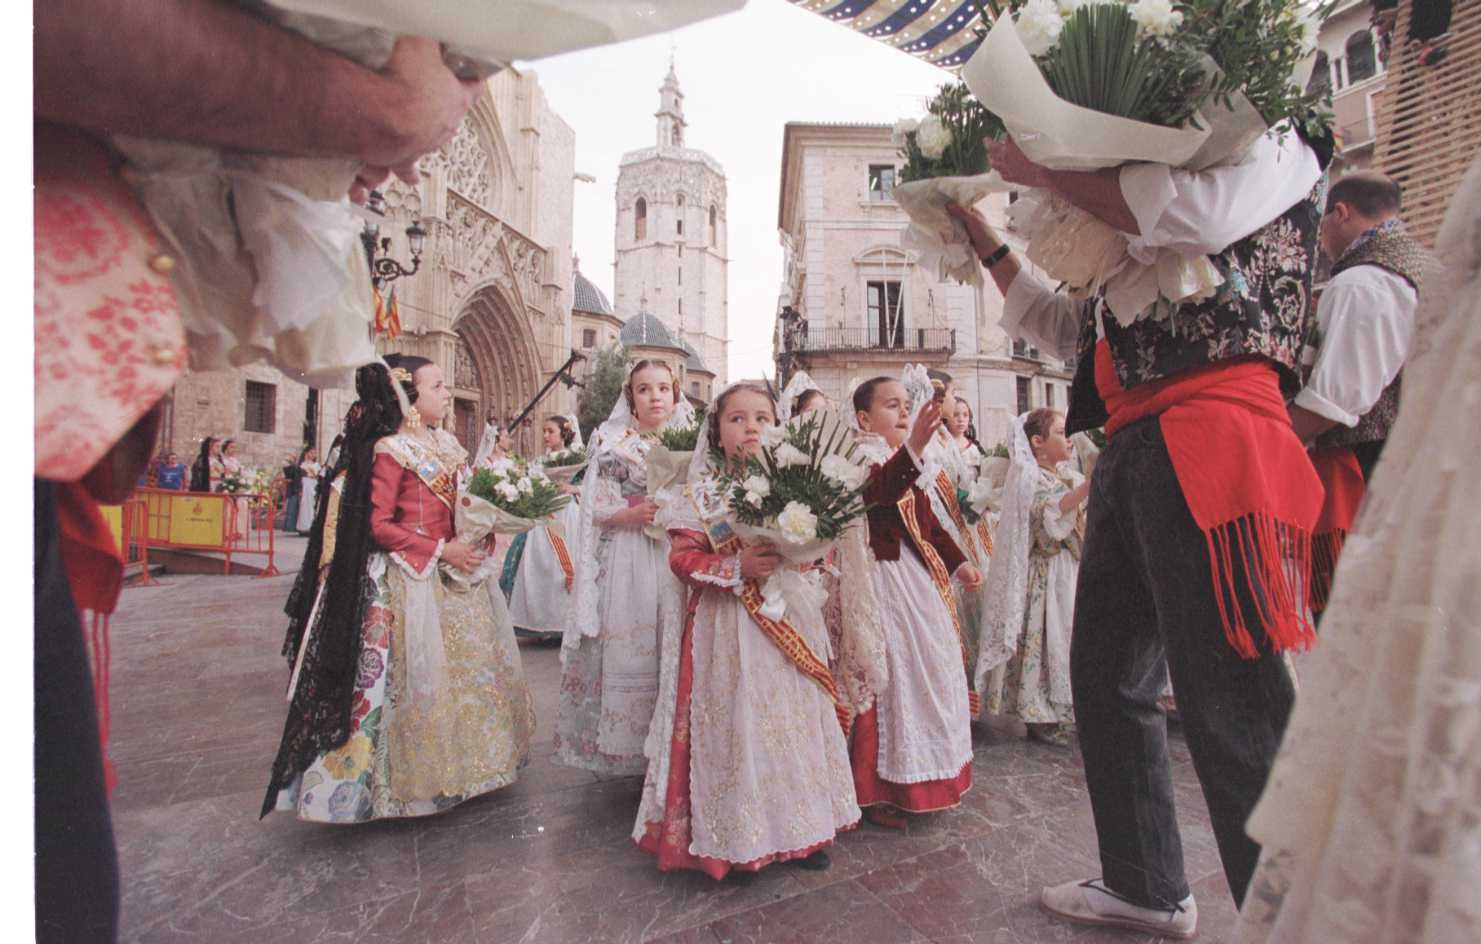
{"points": [[744, 76]]}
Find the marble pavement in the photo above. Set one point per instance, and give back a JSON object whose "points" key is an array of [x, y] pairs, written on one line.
{"points": [[197, 710]]}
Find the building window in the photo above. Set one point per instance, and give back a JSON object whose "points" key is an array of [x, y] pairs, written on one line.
{"points": [[588, 337], [712, 226], [262, 402], [886, 314], [640, 220], [681, 308], [677, 138], [679, 215], [1362, 63], [1022, 349], [311, 418], [694, 388], [1049, 395], [881, 182], [681, 275], [1023, 398]]}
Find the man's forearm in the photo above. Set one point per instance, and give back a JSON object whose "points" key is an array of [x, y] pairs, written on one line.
{"points": [[1097, 192], [1308, 425], [178, 70]]}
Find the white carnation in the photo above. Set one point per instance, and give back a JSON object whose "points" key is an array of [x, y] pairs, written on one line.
{"points": [[757, 485], [903, 127], [753, 499], [844, 472], [526, 486], [789, 455], [933, 137], [1155, 17], [507, 491], [1039, 24], [773, 436], [797, 523]]}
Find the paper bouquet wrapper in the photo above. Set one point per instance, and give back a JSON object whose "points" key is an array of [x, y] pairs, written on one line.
{"points": [[794, 552], [940, 242], [1073, 246], [475, 518], [563, 474], [665, 469]]}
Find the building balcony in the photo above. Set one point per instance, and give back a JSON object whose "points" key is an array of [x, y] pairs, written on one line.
{"points": [[800, 340]]}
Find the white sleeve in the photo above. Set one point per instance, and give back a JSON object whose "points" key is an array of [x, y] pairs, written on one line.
{"points": [[1367, 318], [1204, 212], [1049, 320]]}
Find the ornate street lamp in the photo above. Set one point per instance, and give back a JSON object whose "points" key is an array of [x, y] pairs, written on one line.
{"points": [[384, 269]]}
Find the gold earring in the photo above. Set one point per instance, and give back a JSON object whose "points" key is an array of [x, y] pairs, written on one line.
{"points": [[413, 418]]}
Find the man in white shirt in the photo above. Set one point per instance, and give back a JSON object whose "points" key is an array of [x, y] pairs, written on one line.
{"points": [[1364, 325], [1154, 592]]}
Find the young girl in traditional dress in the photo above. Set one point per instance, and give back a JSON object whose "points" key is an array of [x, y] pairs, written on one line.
{"points": [[545, 574], [625, 592], [912, 751], [1024, 663], [310, 468], [751, 765], [407, 695]]}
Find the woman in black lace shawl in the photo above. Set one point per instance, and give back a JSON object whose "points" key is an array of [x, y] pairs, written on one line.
{"points": [[319, 712]]}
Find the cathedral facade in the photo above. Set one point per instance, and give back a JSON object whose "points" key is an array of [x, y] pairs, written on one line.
{"points": [[671, 244], [490, 302]]}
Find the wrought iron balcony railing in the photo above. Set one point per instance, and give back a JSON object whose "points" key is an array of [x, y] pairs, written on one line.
{"points": [[801, 340]]}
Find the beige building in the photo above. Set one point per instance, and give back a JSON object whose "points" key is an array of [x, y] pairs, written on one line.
{"points": [[1356, 76], [671, 244], [491, 302], [855, 304]]}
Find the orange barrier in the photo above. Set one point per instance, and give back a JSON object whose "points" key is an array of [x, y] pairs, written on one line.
{"points": [[128, 523], [231, 525]]}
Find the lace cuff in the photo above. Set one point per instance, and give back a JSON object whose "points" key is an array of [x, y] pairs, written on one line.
{"points": [[427, 569], [722, 572]]}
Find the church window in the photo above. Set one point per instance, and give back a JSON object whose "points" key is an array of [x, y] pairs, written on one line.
{"points": [[1362, 63], [679, 220], [678, 137], [712, 225], [588, 338], [1023, 394], [681, 308], [694, 388], [881, 182], [681, 275], [261, 402], [640, 219]]}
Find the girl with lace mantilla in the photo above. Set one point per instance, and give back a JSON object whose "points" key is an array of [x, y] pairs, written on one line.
{"points": [[436, 710], [624, 593], [912, 749], [749, 764], [545, 575], [1023, 666]]}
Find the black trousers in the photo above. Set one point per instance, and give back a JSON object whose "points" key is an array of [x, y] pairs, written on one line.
{"points": [[76, 864], [1144, 607]]}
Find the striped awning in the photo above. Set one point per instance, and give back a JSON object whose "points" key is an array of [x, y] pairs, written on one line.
{"points": [[938, 31]]}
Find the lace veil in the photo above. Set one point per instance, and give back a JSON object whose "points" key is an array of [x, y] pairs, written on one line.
{"points": [[1007, 578]]}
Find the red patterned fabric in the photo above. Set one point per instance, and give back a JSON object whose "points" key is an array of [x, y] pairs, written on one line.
{"points": [[1247, 481], [873, 790], [406, 517], [109, 341]]}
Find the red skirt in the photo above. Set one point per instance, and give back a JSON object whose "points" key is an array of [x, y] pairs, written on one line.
{"points": [[926, 796], [669, 839]]}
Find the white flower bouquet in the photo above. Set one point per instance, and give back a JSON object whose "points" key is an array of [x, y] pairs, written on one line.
{"points": [[945, 162], [1088, 84], [505, 497], [563, 467], [801, 490], [666, 465]]}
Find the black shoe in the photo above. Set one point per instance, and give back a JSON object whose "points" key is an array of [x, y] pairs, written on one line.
{"points": [[816, 862]]}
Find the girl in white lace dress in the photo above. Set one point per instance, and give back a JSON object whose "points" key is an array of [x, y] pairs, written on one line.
{"points": [[545, 580], [625, 592], [750, 765], [1371, 820], [1023, 666]]}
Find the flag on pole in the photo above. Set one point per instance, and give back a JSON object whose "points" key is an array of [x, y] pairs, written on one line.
{"points": [[379, 323], [393, 317]]}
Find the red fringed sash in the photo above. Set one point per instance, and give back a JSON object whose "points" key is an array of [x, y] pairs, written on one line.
{"points": [[1247, 481], [942, 579], [1342, 479]]}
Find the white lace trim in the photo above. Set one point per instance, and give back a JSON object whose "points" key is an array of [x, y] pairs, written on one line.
{"points": [[426, 571]]}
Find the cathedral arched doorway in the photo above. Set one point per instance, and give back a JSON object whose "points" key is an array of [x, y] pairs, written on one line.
{"points": [[496, 366]]}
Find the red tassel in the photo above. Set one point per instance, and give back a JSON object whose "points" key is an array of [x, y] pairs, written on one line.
{"points": [[1277, 569], [102, 658]]}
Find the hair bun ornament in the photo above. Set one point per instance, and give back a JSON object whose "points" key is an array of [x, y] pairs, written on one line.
{"points": [[402, 374]]}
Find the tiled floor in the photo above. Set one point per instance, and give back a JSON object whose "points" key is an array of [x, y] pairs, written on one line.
{"points": [[197, 709]]}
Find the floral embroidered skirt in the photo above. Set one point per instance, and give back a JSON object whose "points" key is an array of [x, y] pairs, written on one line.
{"points": [[417, 756]]}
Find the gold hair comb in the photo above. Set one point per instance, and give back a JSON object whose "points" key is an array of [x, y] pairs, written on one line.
{"points": [[401, 374]]}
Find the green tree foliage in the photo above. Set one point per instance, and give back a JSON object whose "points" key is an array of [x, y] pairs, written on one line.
{"points": [[609, 371]]}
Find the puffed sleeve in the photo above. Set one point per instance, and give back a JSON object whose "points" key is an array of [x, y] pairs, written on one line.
{"points": [[416, 550], [1050, 526], [694, 562], [606, 491], [891, 479]]}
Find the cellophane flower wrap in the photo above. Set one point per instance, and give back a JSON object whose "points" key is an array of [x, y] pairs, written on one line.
{"points": [[801, 490], [505, 497], [1090, 84], [563, 467], [667, 463], [945, 162]]}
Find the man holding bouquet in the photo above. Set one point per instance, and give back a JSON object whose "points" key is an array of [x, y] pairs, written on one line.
{"points": [[1199, 527]]}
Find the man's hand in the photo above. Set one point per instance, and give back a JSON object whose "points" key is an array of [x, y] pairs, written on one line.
{"points": [[1013, 165]]}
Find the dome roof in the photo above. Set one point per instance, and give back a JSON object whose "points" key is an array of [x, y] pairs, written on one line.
{"points": [[695, 362], [587, 297], [646, 330]]}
